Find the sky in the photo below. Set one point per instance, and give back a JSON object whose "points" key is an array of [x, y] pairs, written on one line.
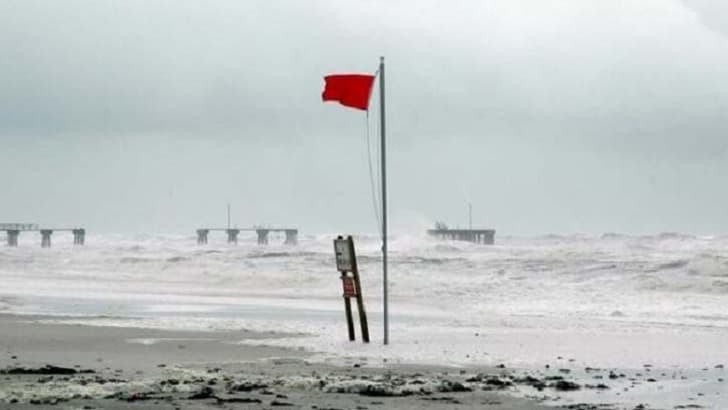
{"points": [[547, 116]]}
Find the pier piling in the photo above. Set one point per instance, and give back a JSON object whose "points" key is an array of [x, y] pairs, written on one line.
{"points": [[262, 236], [202, 236], [45, 241], [79, 236], [232, 235], [13, 232], [12, 235], [291, 236]]}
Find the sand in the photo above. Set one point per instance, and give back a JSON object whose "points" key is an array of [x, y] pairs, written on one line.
{"points": [[129, 368]]}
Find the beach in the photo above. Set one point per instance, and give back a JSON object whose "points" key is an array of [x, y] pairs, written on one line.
{"points": [[606, 322], [78, 366]]}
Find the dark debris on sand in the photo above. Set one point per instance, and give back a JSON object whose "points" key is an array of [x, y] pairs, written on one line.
{"points": [[218, 388], [45, 370]]}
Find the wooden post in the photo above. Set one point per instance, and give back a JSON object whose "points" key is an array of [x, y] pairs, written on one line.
{"points": [[359, 296], [347, 308], [346, 262]]}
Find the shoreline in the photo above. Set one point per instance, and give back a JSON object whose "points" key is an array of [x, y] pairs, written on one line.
{"points": [[80, 366], [126, 367]]}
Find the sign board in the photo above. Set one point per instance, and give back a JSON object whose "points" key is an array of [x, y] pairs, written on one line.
{"points": [[343, 255], [349, 288], [346, 263]]}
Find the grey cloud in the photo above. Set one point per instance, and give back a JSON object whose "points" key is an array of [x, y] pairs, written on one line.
{"points": [[544, 105]]}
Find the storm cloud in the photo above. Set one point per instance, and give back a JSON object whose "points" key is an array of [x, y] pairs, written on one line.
{"points": [[546, 115]]}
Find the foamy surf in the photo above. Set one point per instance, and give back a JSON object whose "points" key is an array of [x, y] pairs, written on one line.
{"points": [[452, 303]]}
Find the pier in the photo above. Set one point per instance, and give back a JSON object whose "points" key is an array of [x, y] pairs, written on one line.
{"points": [[262, 233], [13, 230], [481, 236]]}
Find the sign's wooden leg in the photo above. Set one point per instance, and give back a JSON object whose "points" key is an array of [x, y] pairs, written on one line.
{"points": [[349, 319]]}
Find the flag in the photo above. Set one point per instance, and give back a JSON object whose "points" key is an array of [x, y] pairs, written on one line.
{"points": [[350, 90]]}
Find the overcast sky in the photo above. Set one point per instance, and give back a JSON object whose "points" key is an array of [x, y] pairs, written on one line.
{"points": [[548, 116]]}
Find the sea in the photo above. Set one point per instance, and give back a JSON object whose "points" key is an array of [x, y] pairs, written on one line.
{"points": [[609, 300]]}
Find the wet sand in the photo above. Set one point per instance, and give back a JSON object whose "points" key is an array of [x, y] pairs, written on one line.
{"points": [[129, 368], [70, 366]]}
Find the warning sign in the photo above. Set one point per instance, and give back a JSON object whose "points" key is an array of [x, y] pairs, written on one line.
{"points": [[342, 251], [349, 270], [349, 288]]}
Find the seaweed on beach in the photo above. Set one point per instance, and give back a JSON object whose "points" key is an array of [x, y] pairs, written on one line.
{"points": [[45, 370]]}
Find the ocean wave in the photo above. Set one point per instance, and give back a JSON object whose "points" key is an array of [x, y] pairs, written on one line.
{"points": [[425, 260], [135, 259], [614, 236], [680, 263], [208, 252], [577, 274], [283, 254], [675, 236], [719, 286]]}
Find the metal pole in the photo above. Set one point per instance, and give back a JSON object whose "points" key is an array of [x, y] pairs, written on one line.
{"points": [[384, 198]]}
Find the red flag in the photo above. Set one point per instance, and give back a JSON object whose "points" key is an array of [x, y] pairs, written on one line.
{"points": [[351, 90]]}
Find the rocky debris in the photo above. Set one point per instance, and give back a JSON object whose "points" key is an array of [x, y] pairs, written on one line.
{"points": [[379, 390], [246, 386], [588, 406], [448, 386], [251, 400], [552, 378], [138, 396], [205, 392], [600, 386], [45, 370], [529, 380], [48, 401], [565, 385], [495, 382], [446, 399], [277, 403], [222, 388]]}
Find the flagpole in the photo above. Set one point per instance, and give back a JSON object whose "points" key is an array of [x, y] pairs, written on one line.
{"points": [[384, 198]]}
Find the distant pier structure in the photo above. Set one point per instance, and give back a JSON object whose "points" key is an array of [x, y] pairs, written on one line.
{"points": [[481, 236], [262, 233], [13, 230]]}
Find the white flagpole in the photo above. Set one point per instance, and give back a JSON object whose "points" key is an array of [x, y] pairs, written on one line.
{"points": [[384, 199]]}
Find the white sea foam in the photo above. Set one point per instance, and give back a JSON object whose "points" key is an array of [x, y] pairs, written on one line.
{"points": [[524, 300]]}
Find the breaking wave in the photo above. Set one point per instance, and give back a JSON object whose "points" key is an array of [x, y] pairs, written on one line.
{"points": [[667, 274]]}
